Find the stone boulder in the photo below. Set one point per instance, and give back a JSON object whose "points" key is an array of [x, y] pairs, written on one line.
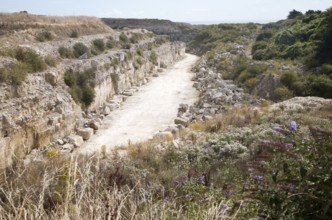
{"points": [[163, 136], [75, 140], [51, 78], [85, 133], [182, 121], [67, 148], [94, 124]]}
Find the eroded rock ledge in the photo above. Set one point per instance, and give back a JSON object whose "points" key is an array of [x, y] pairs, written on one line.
{"points": [[41, 112]]}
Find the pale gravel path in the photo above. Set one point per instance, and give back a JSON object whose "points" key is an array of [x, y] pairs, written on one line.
{"points": [[150, 110]]}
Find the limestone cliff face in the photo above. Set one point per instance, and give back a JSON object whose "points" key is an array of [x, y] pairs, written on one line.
{"points": [[40, 110]]}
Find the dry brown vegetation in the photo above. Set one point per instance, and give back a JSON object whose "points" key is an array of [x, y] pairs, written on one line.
{"points": [[22, 27]]}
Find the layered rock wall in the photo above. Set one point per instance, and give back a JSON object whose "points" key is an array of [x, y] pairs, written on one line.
{"points": [[41, 111]]}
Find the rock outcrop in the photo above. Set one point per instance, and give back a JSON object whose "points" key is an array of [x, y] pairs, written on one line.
{"points": [[41, 112]]}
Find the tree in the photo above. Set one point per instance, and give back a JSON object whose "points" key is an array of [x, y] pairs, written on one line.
{"points": [[324, 52], [293, 14]]}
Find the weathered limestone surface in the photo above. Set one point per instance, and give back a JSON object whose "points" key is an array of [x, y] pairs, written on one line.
{"points": [[41, 112]]}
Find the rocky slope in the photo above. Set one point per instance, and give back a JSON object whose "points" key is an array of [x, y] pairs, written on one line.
{"points": [[41, 112], [175, 30]]}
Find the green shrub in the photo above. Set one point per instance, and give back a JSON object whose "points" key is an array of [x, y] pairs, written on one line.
{"points": [[30, 60], [154, 57], [140, 52], [126, 46], [70, 78], [285, 38], [139, 61], [135, 38], [283, 93], [44, 36], [99, 44], [240, 64], [115, 63], [288, 79], [129, 56], [88, 95], [123, 38], [160, 40], [13, 76], [250, 83], [81, 85], [80, 49], [74, 34], [110, 44], [264, 35], [327, 69], [321, 85], [51, 61], [65, 52]]}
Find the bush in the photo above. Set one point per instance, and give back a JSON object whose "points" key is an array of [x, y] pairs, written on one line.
{"points": [[44, 36], [88, 95], [140, 52], [264, 35], [81, 85], [99, 44], [126, 46], [80, 49], [51, 61], [154, 57], [321, 85], [74, 34], [283, 93], [135, 38], [288, 79], [110, 44], [13, 76], [65, 52], [327, 69], [293, 14], [285, 38], [123, 38], [30, 60], [250, 83], [160, 40]]}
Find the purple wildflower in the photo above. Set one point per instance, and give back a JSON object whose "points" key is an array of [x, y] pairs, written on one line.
{"points": [[289, 145], [177, 183], [148, 184], [185, 177], [146, 195], [280, 130], [263, 162], [257, 177], [222, 214], [259, 218], [225, 206], [293, 126], [187, 196], [266, 142], [201, 178], [251, 170]]}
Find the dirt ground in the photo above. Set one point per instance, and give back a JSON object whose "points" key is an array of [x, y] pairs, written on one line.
{"points": [[150, 110]]}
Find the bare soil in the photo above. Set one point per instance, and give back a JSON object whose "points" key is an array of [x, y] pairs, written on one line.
{"points": [[150, 110]]}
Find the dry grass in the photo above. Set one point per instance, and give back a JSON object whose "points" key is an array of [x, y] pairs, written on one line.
{"points": [[238, 117], [84, 188], [21, 27]]}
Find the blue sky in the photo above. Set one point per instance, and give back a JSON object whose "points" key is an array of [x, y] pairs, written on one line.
{"points": [[175, 10]]}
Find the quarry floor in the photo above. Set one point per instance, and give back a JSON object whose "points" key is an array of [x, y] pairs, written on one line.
{"points": [[153, 108]]}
